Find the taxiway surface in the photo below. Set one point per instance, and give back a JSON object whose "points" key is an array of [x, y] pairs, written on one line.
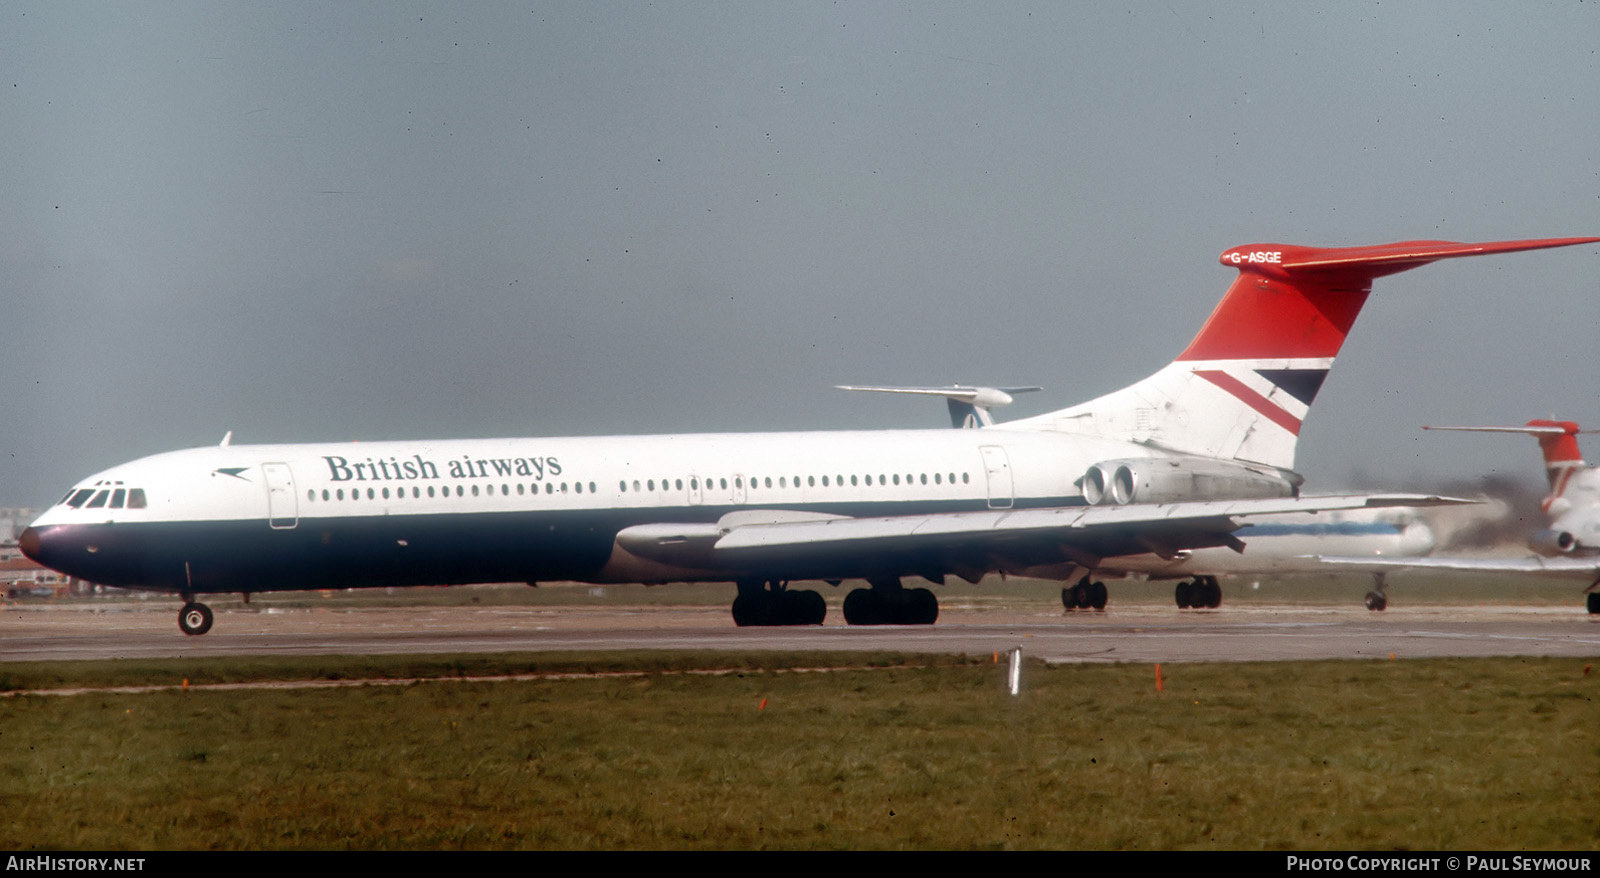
{"points": [[1121, 634]]}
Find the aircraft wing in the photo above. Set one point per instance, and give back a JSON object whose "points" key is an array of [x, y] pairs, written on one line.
{"points": [[1031, 541], [1532, 565]]}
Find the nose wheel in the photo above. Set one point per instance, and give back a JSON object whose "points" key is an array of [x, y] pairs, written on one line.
{"points": [[1376, 600], [194, 619]]}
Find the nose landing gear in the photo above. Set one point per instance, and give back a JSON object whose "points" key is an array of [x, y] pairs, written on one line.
{"points": [[194, 619], [1376, 600]]}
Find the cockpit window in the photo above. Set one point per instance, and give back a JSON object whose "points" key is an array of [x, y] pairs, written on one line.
{"points": [[136, 498], [99, 500], [77, 499], [117, 497]]}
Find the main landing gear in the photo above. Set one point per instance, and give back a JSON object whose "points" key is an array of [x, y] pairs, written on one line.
{"points": [[1085, 595], [1202, 592], [194, 619], [888, 603], [770, 602]]}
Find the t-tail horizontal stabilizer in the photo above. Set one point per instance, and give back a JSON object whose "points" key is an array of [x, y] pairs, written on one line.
{"points": [[969, 406]]}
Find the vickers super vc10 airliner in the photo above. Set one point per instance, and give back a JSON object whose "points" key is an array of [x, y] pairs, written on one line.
{"points": [[1177, 461]]}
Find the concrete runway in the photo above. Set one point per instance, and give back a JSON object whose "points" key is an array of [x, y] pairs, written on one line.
{"points": [[1121, 634]]}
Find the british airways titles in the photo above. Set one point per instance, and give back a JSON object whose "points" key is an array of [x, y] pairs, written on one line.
{"points": [[419, 467]]}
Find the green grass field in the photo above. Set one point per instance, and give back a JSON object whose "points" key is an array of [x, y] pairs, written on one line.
{"points": [[888, 752]]}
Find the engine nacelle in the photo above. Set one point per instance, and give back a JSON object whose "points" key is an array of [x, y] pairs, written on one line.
{"points": [[1550, 543], [1176, 479]]}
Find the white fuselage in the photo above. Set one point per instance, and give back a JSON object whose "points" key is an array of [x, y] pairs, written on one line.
{"points": [[253, 517]]}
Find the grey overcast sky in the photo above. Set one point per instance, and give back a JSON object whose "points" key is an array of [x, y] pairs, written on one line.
{"points": [[331, 221]]}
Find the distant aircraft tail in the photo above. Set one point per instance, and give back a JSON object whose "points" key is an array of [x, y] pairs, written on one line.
{"points": [[1558, 441], [1574, 501], [1244, 385]]}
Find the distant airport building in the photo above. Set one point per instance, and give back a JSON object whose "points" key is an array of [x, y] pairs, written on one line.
{"points": [[13, 520], [19, 576]]}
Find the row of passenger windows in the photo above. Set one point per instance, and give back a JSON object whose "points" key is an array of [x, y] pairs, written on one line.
{"points": [[695, 484], [417, 492], [134, 498], [784, 481]]}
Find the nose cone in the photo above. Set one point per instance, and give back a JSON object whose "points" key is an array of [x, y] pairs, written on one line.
{"points": [[29, 544], [43, 545]]}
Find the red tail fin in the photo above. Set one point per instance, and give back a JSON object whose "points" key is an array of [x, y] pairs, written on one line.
{"points": [[1559, 442], [1245, 384], [1561, 456]]}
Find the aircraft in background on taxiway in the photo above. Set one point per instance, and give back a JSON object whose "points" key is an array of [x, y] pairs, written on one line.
{"points": [[1569, 548]]}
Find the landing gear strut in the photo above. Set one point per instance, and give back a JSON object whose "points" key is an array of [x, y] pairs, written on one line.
{"points": [[887, 603], [1085, 595], [770, 602], [194, 619], [1202, 592], [1376, 600]]}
